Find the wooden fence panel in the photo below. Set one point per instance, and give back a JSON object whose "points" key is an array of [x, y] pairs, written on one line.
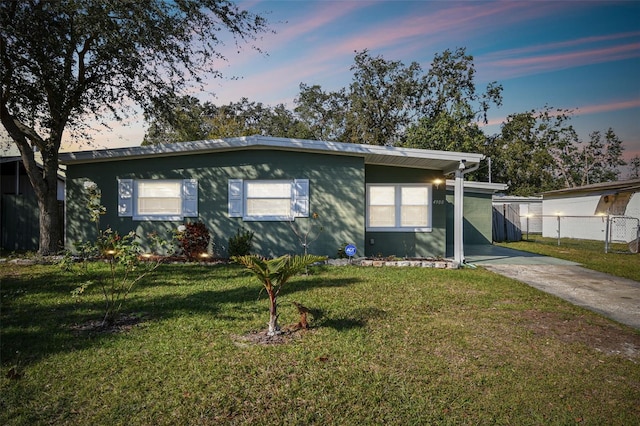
{"points": [[506, 223], [19, 223]]}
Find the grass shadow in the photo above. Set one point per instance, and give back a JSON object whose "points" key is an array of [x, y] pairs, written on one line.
{"points": [[39, 316]]}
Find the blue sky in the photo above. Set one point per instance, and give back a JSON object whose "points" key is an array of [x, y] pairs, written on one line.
{"points": [[580, 55]]}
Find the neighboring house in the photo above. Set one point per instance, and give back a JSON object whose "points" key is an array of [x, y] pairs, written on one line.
{"points": [[19, 215], [581, 212], [385, 200]]}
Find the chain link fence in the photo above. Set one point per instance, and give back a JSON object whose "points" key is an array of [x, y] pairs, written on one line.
{"points": [[623, 229], [619, 234]]}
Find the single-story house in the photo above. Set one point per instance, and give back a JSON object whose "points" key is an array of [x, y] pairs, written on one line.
{"points": [[581, 212], [384, 200]]}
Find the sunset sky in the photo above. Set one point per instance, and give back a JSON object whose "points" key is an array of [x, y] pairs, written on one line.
{"points": [[580, 55]]}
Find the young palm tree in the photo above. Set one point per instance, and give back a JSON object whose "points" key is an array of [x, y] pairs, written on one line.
{"points": [[273, 274]]}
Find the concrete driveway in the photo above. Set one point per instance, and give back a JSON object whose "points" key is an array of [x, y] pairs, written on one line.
{"points": [[613, 297]]}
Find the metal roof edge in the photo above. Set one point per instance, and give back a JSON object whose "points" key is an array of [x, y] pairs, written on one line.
{"points": [[612, 187], [256, 141]]}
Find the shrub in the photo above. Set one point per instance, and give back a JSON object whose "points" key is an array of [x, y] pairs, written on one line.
{"points": [[193, 240], [309, 233], [121, 253], [240, 244], [341, 251]]}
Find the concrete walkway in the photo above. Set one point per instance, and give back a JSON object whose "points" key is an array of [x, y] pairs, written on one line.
{"points": [[497, 255], [613, 297]]}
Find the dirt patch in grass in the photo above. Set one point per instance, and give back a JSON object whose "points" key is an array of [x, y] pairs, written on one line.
{"points": [[287, 335], [122, 324], [604, 337]]}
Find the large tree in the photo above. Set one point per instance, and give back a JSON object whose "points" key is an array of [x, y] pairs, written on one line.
{"points": [[65, 62], [181, 119], [521, 157], [384, 99], [190, 120], [453, 108], [539, 151], [390, 103], [323, 112]]}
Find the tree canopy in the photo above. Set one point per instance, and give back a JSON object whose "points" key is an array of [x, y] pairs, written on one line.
{"points": [[189, 120], [65, 62], [389, 103], [539, 151], [453, 109]]}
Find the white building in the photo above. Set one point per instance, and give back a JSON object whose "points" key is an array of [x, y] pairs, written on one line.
{"points": [[581, 212]]}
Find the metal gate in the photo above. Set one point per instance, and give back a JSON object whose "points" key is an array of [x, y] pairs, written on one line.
{"points": [[623, 229]]}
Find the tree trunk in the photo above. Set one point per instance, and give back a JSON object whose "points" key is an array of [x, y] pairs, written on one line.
{"points": [[50, 238], [45, 183], [274, 328]]}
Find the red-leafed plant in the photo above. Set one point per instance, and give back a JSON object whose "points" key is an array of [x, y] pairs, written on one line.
{"points": [[193, 240]]}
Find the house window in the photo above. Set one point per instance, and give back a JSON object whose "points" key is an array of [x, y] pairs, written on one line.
{"points": [[146, 199], [399, 207], [268, 200], [158, 197], [264, 199]]}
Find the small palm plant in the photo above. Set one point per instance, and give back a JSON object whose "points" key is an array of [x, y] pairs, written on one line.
{"points": [[273, 274]]}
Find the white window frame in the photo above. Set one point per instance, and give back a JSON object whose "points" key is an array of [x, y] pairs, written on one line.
{"points": [[398, 208], [128, 196], [298, 199], [267, 217]]}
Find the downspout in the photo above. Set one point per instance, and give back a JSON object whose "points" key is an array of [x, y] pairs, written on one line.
{"points": [[458, 212]]}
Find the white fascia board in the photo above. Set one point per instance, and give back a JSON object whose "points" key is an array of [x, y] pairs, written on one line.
{"points": [[372, 154], [479, 186]]}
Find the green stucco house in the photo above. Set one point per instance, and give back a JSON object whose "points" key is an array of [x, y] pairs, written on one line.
{"points": [[384, 200]]}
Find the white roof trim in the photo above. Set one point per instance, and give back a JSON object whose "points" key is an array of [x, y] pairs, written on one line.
{"points": [[372, 154], [479, 186]]}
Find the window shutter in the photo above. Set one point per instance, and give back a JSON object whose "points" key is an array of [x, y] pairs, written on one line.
{"points": [[300, 198], [125, 197], [235, 197], [189, 197]]}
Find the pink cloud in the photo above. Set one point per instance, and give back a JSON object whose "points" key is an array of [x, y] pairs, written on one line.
{"points": [[583, 110], [306, 26], [571, 59], [431, 25], [613, 106], [534, 59], [588, 41], [408, 36]]}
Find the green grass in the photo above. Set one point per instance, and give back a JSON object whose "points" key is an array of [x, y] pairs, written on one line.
{"points": [[586, 252], [395, 346]]}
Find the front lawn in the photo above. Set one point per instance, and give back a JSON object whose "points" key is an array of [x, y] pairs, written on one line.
{"points": [[396, 346]]}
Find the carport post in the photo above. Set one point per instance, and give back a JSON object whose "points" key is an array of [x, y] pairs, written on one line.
{"points": [[458, 197], [606, 234], [458, 210]]}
